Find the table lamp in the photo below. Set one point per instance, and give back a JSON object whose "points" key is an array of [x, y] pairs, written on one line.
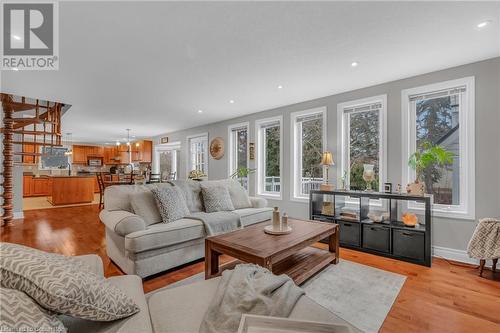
{"points": [[327, 161]]}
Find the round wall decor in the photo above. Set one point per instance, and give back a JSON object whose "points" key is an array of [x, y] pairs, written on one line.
{"points": [[217, 148]]}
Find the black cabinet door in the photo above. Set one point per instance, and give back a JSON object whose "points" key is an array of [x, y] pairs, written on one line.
{"points": [[349, 233], [408, 244], [376, 238]]}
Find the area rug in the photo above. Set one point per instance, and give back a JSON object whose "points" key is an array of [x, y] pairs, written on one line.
{"points": [[359, 294]]}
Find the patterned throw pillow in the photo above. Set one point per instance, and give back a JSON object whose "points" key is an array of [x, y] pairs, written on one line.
{"points": [[62, 284], [171, 203], [20, 313], [216, 198]]}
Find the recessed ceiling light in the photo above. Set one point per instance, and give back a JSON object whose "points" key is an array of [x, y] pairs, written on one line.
{"points": [[15, 69], [483, 24], [200, 111], [16, 37], [280, 87], [231, 101], [354, 64]]}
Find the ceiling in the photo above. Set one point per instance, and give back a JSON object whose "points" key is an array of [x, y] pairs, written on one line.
{"points": [[151, 66]]}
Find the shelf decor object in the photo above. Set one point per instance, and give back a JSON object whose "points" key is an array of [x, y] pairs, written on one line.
{"points": [[327, 162], [368, 175], [374, 222]]}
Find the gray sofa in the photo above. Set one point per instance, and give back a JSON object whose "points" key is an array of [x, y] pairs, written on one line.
{"points": [[178, 310], [140, 244]]}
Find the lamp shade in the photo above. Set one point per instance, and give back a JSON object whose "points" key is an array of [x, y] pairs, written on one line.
{"points": [[327, 158]]}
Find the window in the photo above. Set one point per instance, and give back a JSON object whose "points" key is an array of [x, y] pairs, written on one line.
{"points": [[309, 142], [198, 153], [362, 141], [238, 149], [269, 156], [443, 114]]}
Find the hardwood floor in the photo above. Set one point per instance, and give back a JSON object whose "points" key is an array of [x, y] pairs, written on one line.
{"points": [[445, 298]]}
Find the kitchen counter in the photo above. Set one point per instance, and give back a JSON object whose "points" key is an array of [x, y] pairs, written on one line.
{"points": [[67, 190]]}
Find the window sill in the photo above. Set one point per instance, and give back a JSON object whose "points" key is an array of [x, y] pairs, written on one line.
{"points": [[270, 196], [300, 199], [445, 213]]}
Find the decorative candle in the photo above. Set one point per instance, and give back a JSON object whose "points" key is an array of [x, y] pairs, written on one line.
{"points": [[284, 221], [276, 219]]}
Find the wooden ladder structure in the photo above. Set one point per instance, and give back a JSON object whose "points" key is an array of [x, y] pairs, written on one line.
{"points": [[39, 125]]}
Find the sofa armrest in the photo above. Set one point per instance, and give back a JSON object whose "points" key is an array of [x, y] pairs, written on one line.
{"points": [[94, 262], [122, 222], [258, 202]]}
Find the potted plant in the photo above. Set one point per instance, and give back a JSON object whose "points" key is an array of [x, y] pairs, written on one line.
{"points": [[425, 162], [242, 173]]}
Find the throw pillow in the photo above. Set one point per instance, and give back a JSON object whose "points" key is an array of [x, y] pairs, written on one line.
{"points": [[216, 198], [20, 313], [144, 205], [171, 203], [62, 284], [192, 192], [239, 195]]}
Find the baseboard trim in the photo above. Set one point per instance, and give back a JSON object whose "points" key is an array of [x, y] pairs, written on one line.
{"points": [[455, 255], [18, 215]]}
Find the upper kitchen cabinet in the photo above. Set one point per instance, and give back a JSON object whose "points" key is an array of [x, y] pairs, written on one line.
{"points": [[79, 154], [94, 151]]}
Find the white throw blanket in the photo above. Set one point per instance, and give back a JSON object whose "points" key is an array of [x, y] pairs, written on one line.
{"points": [[218, 222], [249, 289]]}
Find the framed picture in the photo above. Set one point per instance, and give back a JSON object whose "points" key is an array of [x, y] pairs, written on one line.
{"points": [[164, 139], [388, 187], [251, 149]]}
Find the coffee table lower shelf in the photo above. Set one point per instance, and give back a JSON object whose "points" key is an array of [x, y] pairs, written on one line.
{"points": [[299, 266]]}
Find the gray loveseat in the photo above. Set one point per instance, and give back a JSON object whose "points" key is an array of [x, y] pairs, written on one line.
{"points": [[178, 310], [141, 244]]}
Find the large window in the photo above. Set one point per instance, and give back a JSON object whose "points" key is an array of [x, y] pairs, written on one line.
{"points": [[198, 153], [269, 157], [308, 143], [443, 114], [362, 141], [238, 149]]}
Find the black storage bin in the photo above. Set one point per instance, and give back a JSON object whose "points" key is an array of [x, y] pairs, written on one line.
{"points": [[349, 233], [376, 237], [408, 244]]}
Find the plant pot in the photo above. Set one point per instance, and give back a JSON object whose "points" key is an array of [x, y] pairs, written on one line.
{"points": [[416, 188]]}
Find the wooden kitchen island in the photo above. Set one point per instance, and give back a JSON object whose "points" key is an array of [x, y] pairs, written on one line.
{"points": [[67, 190]]}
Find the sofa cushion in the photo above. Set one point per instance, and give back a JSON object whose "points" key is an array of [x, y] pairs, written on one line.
{"points": [[62, 284], [239, 196], [139, 322], [117, 197], [192, 193], [171, 203], [168, 305], [216, 198], [164, 234], [249, 216], [20, 313], [144, 204]]}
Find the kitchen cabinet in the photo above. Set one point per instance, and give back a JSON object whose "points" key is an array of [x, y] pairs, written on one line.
{"points": [[96, 185], [29, 159], [36, 187], [142, 151], [79, 154]]}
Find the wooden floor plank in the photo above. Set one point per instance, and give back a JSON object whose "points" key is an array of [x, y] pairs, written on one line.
{"points": [[445, 298]]}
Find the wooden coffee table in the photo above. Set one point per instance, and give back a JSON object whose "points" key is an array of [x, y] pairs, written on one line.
{"points": [[285, 254]]}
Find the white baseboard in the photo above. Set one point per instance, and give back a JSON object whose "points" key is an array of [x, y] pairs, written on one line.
{"points": [[455, 255], [18, 215]]}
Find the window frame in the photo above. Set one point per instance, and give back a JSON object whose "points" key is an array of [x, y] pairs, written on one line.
{"points": [[296, 162], [260, 158], [232, 146], [343, 139], [189, 165], [466, 208]]}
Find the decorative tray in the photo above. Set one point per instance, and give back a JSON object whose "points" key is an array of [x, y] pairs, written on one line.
{"points": [[264, 324], [268, 229]]}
